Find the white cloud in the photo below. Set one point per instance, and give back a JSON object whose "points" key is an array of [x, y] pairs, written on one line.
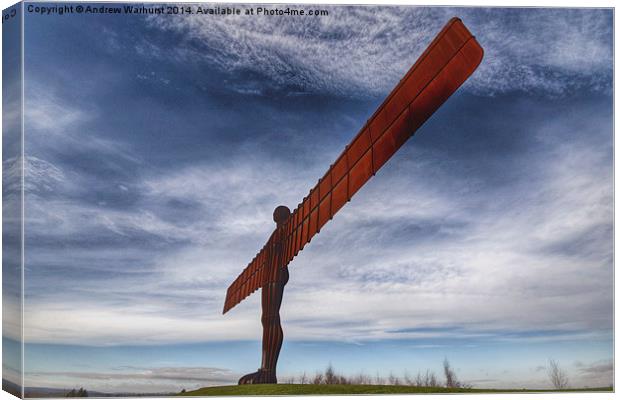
{"points": [[363, 51], [58, 124], [596, 374], [488, 265], [44, 110]]}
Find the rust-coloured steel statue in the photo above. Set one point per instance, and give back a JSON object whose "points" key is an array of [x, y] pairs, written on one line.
{"points": [[448, 61]]}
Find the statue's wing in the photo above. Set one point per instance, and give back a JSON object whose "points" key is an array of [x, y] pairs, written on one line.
{"points": [[443, 67], [449, 60], [250, 279]]}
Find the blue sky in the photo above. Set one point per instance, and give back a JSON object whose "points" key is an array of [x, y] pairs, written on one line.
{"points": [[158, 147]]}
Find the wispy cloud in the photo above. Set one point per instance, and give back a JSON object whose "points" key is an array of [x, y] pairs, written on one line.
{"points": [[443, 259], [599, 372], [363, 51], [44, 110]]}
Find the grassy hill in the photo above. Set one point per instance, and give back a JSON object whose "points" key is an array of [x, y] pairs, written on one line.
{"points": [[294, 389]]}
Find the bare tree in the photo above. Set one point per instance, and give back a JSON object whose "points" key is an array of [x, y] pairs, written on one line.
{"points": [[364, 379], [393, 379], [303, 379], [431, 379], [557, 375], [419, 381], [451, 381], [318, 379], [330, 375]]}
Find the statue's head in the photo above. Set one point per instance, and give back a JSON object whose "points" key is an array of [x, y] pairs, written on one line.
{"points": [[280, 214]]}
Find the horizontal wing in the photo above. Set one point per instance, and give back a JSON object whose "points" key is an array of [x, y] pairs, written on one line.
{"points": [[249, 280], [449, 60]]}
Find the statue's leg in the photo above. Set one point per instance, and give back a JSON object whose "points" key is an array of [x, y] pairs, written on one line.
{"points": [[272, 328], [273, 335]]}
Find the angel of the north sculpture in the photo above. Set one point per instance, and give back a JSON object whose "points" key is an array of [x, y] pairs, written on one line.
{"points": [[443, 67]]}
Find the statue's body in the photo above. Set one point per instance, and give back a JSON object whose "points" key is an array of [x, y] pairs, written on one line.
{"points": [[448, 61], [271, 300]]}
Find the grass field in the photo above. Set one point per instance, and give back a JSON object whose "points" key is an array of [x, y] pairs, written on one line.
{"points": [[294, 389]]}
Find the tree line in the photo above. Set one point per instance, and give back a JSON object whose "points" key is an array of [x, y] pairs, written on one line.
{"points": [[421, 379]]}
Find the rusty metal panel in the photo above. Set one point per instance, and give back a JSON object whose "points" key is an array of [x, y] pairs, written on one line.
{"points": [[445, 83], [311, 204], [378, 123], [291, 239], [300, 219], [297, 235], [298, 230], [306, 208], [261, 264], [324, 211], [310, 207], [360, 173], [359, 146], [306, 238], [312, 227], [294, 234], [444, 48], [399, 130], [244, 277], [314, 215], [248, 273], [339, 195], [325, 187], [250, 281], [382, 150], [287, 240], [339, 169], [398, 102], [302, 234], [314, 195]]}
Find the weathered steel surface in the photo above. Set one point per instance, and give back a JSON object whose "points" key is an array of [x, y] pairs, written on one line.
{"points": [[448, 61], [274, 280]]}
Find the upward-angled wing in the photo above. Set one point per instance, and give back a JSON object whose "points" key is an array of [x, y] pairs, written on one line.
{"points": [[449, 60], [443, 67]]}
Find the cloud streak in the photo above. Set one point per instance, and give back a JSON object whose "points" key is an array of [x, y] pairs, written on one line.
{"points": [[482, 270], [363, 51]]}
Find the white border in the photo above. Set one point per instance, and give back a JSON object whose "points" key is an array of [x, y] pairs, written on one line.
{"points": [[468, 3]]}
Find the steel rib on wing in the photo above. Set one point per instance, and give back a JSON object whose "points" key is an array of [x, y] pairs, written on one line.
{"points": [[447, 62]]}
